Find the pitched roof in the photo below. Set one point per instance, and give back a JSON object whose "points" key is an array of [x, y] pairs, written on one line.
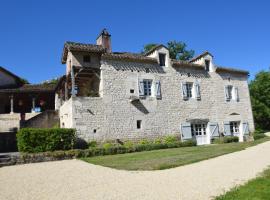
{"points": [[231, 70], [27, 88], [17, 78], [75, 46], [181, 63], [155, 48], [200, 56], [128, 57]]}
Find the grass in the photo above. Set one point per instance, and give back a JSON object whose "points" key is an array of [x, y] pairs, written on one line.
{"points": [[168, 158], [256, 189]]}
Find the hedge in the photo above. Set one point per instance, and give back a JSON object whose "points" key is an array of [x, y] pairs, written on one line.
{"points": [[33, 140]]}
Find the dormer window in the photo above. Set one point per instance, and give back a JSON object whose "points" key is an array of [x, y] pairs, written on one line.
{"points": [[207, 65], [86, 59], [162, 59]]}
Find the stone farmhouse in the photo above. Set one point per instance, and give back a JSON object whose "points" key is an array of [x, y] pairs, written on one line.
{"points": [[118, 95]]}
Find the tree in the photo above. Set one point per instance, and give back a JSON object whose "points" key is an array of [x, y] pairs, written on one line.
{"points": [[260, 100], [24, 81], [148, 47], [177, 50]]}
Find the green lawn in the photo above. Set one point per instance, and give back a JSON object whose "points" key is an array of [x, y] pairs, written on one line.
{"points": [[256, 189], [168, 158]]}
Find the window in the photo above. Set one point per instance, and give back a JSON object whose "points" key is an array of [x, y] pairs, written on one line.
{"points": [[198, 129], [132, 91], [207, 65], [147, 87], [234, 127], [87, 59], [162, 59], [229, 90], [189, 90], [139, 124]]}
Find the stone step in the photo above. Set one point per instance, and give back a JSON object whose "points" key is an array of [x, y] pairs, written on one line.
{"points": [[5, 160]]}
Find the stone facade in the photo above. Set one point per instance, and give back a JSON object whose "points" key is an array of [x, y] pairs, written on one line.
{"points": [[114, 115]]}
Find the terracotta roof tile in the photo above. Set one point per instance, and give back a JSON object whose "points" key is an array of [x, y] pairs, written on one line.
{"points": [[75, 46], [128, 57]]}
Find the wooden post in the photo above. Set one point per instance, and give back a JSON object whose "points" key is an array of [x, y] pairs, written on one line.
{"points": [[72, 82], [11, 105]]}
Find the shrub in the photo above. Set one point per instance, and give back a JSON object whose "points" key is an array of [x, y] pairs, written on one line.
{"points": [[40, 140], [144, 141], [258, 136], [107, 145], [80, 144], [158, 141], [92, 144], [128, 144], [230, 139], [170, 139]]}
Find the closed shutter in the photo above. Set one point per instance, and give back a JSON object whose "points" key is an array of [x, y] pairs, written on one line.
{"points": [[141, 88], [214, 130], [158, 90], [198, 90], [245, 128], [226, 91], [184, 90], [186, 131], [227, 129], [236, 93]]}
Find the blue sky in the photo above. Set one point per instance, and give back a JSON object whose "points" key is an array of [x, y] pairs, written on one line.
{"points": [[32, 33]]}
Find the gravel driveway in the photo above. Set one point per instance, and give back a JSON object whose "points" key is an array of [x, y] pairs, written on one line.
{"points": [[74, 179]]}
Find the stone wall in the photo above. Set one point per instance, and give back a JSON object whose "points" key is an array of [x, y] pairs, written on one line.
{"points": [[8, 122], [113, 116]]}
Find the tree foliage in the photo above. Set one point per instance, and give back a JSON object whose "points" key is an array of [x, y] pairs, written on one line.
{"points": [[260, 99], [177, 50]]}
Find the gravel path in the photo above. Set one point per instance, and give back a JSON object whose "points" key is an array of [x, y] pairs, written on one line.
{"points": [[74, 179]]}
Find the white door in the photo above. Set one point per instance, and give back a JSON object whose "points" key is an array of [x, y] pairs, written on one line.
{"points": [[199, 133]]}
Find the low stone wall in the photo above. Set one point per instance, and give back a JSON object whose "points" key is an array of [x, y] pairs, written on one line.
{"points": [[9, 122]]}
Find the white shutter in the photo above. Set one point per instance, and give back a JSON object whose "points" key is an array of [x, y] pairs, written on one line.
{"points": [[158, 90], [198, 90], [186, 131], [141, 88], [236, 93], [227, 129], [184, 90], [226, 90], [245, 128], [214, 130]]}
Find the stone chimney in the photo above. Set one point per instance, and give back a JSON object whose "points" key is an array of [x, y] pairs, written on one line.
{"points": [[104, 39]]}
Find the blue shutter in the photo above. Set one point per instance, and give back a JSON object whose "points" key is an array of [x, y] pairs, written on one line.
{"points": [[213, 128], [227, 129], [245, 128], [184, 90], [141, 88], [158, 90], [198, 90], [186, 131]]}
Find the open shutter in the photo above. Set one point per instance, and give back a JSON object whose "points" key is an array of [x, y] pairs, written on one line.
{"points": [[141, 88], [245, 128], [198, 90], [227, 129], [184, 90], [226, 91], [158, 90], [186, 131], [214, 130], [236, 93]]}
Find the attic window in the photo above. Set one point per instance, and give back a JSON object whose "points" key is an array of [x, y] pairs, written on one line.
{"points": [[87, 59], [207, 64], [162, 59]]}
